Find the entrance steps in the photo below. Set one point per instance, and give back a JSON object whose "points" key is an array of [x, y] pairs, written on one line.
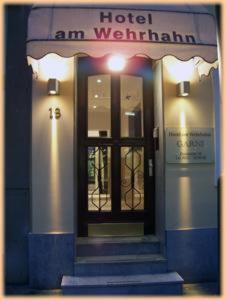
{"points": [[121, 266], [101, 246], [157, 284]]}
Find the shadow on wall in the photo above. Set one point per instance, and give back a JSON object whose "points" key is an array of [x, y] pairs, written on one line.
{"points": [[17, 144]]}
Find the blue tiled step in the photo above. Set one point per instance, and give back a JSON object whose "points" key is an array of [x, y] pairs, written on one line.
{"points": [[99, 246], [120, 265], [157, 284]]}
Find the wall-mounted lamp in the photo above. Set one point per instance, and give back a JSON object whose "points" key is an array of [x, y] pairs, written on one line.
{"points": [[183, 88], [53, 86]]}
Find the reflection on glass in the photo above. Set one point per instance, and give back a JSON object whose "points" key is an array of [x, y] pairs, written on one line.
{"points": [[132, 178], [131, 104], [99, 106], [99, 178]]}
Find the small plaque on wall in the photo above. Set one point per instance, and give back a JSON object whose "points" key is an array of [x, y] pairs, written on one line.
{"points": [[189, 145]]}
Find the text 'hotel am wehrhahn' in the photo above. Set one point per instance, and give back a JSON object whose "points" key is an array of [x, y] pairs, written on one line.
{"points": [[126, 34]]}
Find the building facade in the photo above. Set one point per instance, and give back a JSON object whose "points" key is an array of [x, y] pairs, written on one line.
{"points": [[124, 149]]}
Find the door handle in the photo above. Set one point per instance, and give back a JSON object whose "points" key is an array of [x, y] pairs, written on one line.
{"points": [[150, 167]]}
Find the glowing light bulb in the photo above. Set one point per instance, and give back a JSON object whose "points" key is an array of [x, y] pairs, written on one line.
{"points": [[130, 113], [52, 92], [116, 63]]}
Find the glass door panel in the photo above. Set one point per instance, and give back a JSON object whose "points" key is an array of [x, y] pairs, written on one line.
{"points": [[99, 106], [131, 106], [132, 178], [99, 178]]}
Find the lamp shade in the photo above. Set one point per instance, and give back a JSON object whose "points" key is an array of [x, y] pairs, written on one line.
{"points": [[53, 86], [183, 88]]}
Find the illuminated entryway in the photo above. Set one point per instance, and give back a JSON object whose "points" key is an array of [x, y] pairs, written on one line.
{"points": [[115, 155], [97, 165]]}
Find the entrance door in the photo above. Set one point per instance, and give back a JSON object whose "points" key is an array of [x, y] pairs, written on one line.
{"points": [[115, 144]]}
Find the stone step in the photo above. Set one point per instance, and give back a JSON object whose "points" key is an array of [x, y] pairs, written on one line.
{"points": [[149, 284], [99, 246], [120, 265]]}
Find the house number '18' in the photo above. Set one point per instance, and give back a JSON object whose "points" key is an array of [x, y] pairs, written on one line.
{"points": [[54, 113]]}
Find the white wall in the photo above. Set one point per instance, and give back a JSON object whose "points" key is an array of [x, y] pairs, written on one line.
{"points": [[190, 194], [52, 149]]}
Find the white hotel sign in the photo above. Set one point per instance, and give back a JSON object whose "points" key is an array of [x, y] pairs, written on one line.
{"points": [[189, 145], [151, 26]]}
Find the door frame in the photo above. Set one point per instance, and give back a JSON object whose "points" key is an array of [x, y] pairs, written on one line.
{"points": [[87, 66]]}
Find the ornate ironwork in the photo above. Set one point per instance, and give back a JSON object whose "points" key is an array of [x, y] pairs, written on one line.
{"points": [[132, 164], [97, 166]]}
